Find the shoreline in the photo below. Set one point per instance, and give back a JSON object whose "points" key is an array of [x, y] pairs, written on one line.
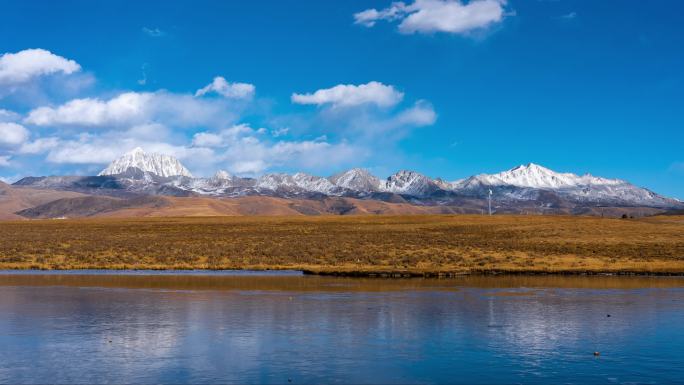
{"points": [[328, 272]]}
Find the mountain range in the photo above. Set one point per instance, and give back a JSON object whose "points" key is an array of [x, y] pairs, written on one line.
{"points": [[140, 178]]}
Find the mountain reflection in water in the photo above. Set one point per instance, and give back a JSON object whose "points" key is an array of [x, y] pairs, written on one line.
{"points": [[218, 328]]}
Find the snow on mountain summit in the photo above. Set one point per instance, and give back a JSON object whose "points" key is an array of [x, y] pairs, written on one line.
{"points": [[535, 176], [522, 183], [356, 179], [222, 175], [158, 164], [410, 183]]}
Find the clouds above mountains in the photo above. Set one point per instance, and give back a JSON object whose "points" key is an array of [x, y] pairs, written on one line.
{"points": [[349, 95], [131, 108], [208, 129], [25, 65], [222, 87], [430, 16], [12, 134]]}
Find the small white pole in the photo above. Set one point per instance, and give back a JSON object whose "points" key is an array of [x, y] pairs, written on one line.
{"points": [[489, 201]]}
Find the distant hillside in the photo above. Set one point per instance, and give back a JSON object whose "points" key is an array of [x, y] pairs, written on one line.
{"points": [[13, 199], [142, 184]]}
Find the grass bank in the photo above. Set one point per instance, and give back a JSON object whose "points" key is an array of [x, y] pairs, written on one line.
{"points": [[406, 245]]}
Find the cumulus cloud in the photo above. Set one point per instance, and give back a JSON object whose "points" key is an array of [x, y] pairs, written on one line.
{"points": [[228, 90], [127, 107], [12, 134], [39, 146], [8, 116], [31, 63], [369, 17], [131, 108], [102, 148], [420, 115], [429, 16], [85, 133], [349, 95], [237, 149], [222, 138], [241, 151], [371, 128]]}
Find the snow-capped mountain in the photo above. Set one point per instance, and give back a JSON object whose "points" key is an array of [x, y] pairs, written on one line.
{"points": [[410, 183], [297, 183], [535, 176], [356, 179], [314, 183], [525, 186], [526, 181], [222, 175], [158, 164]]}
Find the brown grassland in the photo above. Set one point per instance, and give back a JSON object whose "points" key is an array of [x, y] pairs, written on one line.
{"points": [[416, 244]]}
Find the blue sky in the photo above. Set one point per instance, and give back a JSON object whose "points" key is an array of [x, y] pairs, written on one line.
{"points": [[321, 86]]}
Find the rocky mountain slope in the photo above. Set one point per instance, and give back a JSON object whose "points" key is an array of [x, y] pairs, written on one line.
{"points": [[527, 188], [158, 164], [14, 199]]}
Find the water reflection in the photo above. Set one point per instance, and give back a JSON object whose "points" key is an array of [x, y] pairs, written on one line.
{"points": [[170, 329]]}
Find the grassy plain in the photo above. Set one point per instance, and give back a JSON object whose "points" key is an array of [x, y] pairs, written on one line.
{"points": [[415, 244]]}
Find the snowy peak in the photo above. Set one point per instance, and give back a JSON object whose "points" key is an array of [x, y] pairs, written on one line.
{"points": [[313, 183], [275, 181], [535, 176], [222, 175], [524, 183], [410, 183], [356, 179], [299, 182], [158, 164]]}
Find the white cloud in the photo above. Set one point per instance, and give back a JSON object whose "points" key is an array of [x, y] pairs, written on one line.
{"points": [[102, 149], [349, 95], [372, 129], [239, 150], [153, 32], [148, 131], [8, 116], [124, 108], [280, 132], [85, 133], [4, 162], [12, 134], [133, 108], [207, 139], [369, 17], [27, 64], [421, 114], [222, 138], [428, 16], [228, 90], [236, 149], [569, 16], [39, 146]]}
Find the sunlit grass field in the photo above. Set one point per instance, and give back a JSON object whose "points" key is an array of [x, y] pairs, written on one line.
{"points": [[363, 244]]}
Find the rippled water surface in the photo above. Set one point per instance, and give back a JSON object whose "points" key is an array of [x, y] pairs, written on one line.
{"points": [[146, 327]]}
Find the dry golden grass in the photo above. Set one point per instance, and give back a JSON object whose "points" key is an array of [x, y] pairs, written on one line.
{"points": [[410, 244]]}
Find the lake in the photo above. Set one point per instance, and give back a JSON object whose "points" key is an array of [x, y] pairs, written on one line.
{"points": [[284, 327]]}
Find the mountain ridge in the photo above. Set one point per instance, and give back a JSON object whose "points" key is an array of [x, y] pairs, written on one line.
{"points": [[529, 186]]}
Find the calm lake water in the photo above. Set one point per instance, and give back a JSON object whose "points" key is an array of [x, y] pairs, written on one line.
{"points": [[146, 327]]}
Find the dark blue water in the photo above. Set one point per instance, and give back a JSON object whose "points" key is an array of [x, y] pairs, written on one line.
{"points": [[276, 329]]}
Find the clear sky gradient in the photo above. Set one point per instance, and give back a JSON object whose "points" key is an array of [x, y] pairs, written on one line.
{"points": [[577, 86]]}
